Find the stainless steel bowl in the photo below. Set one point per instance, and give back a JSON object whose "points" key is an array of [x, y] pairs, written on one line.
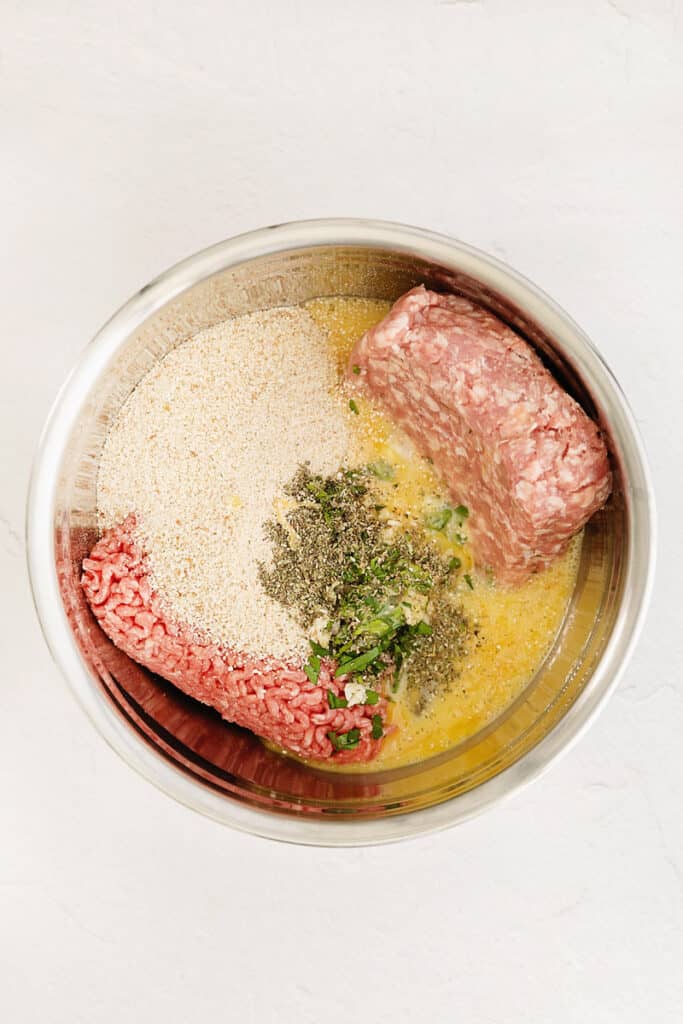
{"points": [[184, 748]]}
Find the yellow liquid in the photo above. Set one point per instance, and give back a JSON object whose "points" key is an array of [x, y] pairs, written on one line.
{"points": [[516, 627]]}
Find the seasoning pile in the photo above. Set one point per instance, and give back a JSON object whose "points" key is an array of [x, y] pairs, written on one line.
{"points": [[379, 602]]}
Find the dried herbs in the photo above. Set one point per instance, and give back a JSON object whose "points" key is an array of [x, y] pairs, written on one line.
{"points": [[381, 607]]}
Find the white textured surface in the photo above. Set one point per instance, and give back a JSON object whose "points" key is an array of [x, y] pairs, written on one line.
{"points": [[134, 134]]}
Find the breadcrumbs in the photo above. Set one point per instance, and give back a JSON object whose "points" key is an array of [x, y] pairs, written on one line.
{"points": [[200, 451]]}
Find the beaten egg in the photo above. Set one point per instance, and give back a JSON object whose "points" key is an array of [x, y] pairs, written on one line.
{"points": [[511, 631]]}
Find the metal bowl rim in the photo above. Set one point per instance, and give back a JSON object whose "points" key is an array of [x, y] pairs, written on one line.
{"points": [[436, 248]]}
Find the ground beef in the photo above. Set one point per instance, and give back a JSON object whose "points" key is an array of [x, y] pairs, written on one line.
{"points": [[507, 440], [272, 698]]}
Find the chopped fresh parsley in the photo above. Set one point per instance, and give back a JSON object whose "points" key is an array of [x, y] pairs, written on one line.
{"points": [[377, 730], [336, 702], [356, 368], [448, 520], [353, 407], [468, 580], [371, 697], [358, 664], [312, 669], [345, 740], [440, 519]]}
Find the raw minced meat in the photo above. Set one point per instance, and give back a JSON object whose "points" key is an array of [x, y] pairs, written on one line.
{"points": [[272, 697], [507, 440]]}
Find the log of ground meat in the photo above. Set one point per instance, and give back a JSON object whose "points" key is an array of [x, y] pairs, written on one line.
{"points": [[271, 698], [507, 440]]}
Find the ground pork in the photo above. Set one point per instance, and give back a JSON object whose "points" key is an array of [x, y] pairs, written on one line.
{"points": [[508, 441], [271, 697]]}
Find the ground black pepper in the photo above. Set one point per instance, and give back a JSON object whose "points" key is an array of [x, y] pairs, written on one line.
{"points": [[381, 605]]}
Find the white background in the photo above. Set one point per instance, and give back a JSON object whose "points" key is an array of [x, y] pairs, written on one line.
{"points": [[133, 134]]}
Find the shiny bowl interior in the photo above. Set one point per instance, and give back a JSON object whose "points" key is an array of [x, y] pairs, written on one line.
{"points": [[186, 749]]}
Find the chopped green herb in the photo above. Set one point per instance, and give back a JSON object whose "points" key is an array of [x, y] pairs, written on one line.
{"points": [[371, 696], [352, 406], [377, 569], [356, 368], [438, 520], [359, 663], [336, 702], [468, 580], [344, 740], [382, 470], [454, 564], [377, 730], [462, 512], [317, 491], [390, 621], [423, 628], [318, 649], [312, 669], [378, 627]]}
